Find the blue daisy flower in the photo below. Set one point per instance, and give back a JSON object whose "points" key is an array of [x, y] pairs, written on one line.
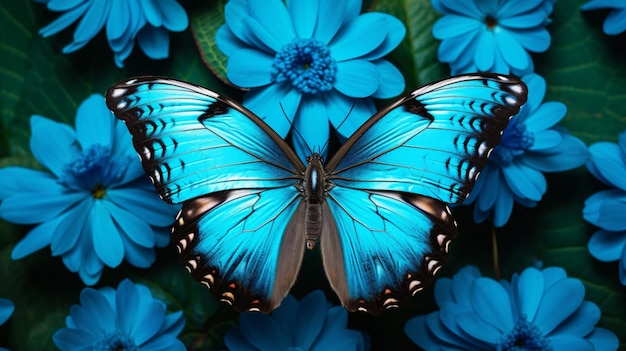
{"points": [[615, 22], [128, 318], [312, 324], [95, 207], [492, 35], [6, 310], [605, 209], [144, 21], [538, 310], [531, 144], [310, 63]]}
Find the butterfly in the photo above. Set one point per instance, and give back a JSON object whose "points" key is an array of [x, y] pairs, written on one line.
{"points": [[378, 208]]}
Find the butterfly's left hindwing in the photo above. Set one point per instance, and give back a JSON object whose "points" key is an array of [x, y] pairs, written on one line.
{"points": [[236, 179], [390, 182]]}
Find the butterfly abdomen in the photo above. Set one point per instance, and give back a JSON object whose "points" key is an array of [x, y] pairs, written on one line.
{"points": [[313, 224], [313, 190]]}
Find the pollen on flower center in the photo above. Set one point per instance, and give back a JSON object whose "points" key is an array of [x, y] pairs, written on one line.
{"points": [[491, 22], [115, 341], [516, 139], [524, 336], [307, 64], [93, 170]]}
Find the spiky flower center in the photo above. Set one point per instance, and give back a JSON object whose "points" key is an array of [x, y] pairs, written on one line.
{"points": [[525, 336], [115, 341], [307, 64], [93, 171]]}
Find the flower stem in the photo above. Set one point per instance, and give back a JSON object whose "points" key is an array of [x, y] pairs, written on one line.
{"points": [[496, 262]]}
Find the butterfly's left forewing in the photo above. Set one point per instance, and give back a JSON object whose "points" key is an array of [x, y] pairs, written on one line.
{"points": [[238, 230], [391, 180]]}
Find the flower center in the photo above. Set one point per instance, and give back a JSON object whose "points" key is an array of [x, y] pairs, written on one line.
{"points": [[307, 64], [92, 171], [525, 336], [115, 341], [515, 140], [491, 22]]}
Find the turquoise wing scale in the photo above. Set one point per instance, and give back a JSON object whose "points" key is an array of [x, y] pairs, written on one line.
{"points": [[235, 180], [391, 180], [385, 225]]}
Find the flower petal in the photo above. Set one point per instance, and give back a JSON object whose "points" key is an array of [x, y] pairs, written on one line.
{"points": [[485, 55], [603, 340], [392, 80], [525, 182], [511, 50], [545, 116], [349, 44], [154, 42], [273, 17], [311, 129], [608, 165], [106, 237], [495, 310], [53, 144], [529, 291], [262, 332], [310, 319], [306, 14], [330, 17], [569, 154], [94, 122], [357, 78], [346, 114], [93, 20], [246, 75], [558, 303], [276, 104], [607, 246]]}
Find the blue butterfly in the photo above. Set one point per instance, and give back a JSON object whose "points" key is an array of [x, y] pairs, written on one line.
{"points": [[378, 207]]}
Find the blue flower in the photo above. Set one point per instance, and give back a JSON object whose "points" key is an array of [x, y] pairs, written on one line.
{"points": [[531, 144], [615, 22], [538, 310], [605, 209], [6, 310], [146, 21], [95, 207], [309, 325], [310, 63], [492, 35], [128, 318]]}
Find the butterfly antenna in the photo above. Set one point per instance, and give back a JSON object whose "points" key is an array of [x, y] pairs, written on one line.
{"points": [[345, 118], [295, 130]]}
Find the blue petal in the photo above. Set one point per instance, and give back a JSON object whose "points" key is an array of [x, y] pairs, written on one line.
{"points": [[346, 114], [395, 33], [133, 226], [286, 315], [522, 21], [525, 182], [504, 206], [25, 190], [417, 330], [458, 50], [53, 144], [597, 205], [173, 323], [510, 49], [120, 23], [569, 154], [154, 42], [582, 322], [148, 320], [68, 232], [558, 303], [64, 20], [536, 91], [310, 320], [357, 78], [349, 44], [238, 21], [138, 256], [311, 129], [165, 342], [465, 8], [487, 195], [603, 340], [106, 237], [246, 75], [392, 80], [569, 342], [455, 26], [330, 17], [492, 304], [262, 332], [477, 328], [94, 122], [529, 291], [443, 291], [64, 5], [461, 282], [276, 104], [227, 42], [174, 15], [235, 340], [535, 40], [6, 309], [143, 203], [93, 21], [485, 55], [273, 17], [515, 8], [615, 22], [608, 164], [546, 141], [72, 339], [306, 14], [606, 245], [545, 116], [97, 307], [127, 303]]}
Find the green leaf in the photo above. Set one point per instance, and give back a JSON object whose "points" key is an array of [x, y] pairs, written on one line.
{"points": [[206, 19], [416, 56]]}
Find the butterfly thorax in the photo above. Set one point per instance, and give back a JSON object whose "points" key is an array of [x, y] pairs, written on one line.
{"points": [[313, 188]]}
